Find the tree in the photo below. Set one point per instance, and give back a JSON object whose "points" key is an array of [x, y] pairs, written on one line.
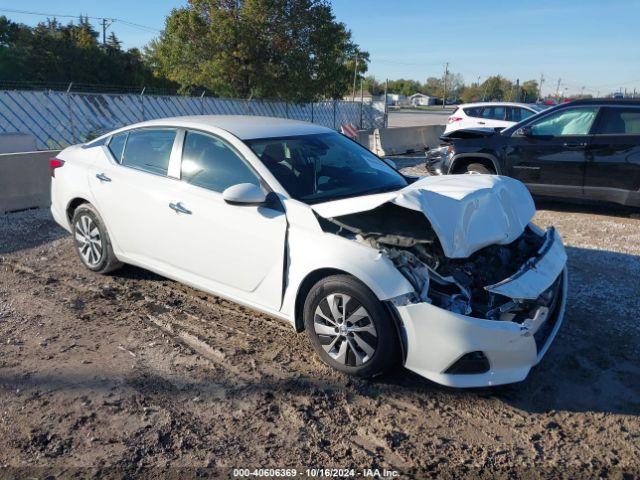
{"points": [[287, 49], [373, 86], [54, 53], [404, 87], [529, 91], [433, 87], [113, 43]]}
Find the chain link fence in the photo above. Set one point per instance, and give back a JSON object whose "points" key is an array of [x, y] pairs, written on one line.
{"points": [[58, 119]]}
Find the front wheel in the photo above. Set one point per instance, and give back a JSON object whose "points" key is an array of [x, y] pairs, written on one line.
{"points": [[349, 328]]}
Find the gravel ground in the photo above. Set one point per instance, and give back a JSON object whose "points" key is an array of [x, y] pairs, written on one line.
{"points": [[115, 374]]}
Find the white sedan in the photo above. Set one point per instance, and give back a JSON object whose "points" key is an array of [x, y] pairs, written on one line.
{"points": [[444, 274]]}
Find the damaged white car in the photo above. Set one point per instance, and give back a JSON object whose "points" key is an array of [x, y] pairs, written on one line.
{"points": [[445, 274]]}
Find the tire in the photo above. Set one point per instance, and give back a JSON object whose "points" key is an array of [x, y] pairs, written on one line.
{"points": [[368, 351], [87, 226], [479, 168]]}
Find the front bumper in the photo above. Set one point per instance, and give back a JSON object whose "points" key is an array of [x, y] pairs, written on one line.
{"points": [[436, 159], [436, 338]]}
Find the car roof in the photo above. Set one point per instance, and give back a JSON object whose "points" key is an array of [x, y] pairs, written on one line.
{"points": [[497, 104], [604, 101], [245, 127]]}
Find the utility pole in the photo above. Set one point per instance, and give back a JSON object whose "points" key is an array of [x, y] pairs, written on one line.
{"points": [[106, 23], [444, 86], [386, 86], [582, 92], [540, 86], [558, 88], [355, 75]]}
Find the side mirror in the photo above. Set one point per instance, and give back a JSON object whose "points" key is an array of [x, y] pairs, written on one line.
{"points": [[244, 194], [524, 132]]}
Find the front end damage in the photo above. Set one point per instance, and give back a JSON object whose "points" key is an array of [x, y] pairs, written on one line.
{"points": [[490, 287]]}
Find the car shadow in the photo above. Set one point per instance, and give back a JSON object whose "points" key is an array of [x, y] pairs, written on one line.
{"points": [[593, 363]]}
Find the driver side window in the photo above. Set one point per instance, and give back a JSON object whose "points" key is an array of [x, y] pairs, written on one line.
{"points": [[570, 121], [210, 163]]}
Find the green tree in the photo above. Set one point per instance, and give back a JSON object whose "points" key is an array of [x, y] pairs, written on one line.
{"points": [[434, 86], [404, 87], [373, 86], [288, 49], [55, 53], [529, 91]]}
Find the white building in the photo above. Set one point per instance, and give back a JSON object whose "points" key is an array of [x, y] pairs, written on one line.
{"points": [[419, 99]]}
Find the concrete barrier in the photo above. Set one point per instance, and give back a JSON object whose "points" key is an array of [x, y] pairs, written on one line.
{"points": [[399, 140], [25, 181], [13, 142]]}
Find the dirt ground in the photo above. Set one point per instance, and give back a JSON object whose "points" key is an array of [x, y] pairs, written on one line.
{"points": [[110, 375]]}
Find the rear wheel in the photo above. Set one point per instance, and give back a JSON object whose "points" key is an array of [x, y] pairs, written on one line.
{"points": [[349, 328], [92, 240], [475, 168]]}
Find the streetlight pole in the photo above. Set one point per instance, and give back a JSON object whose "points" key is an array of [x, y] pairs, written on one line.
{"points": [[444, 86]]}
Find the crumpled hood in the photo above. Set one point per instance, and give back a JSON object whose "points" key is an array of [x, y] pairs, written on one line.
{"points": [[467, 212]]}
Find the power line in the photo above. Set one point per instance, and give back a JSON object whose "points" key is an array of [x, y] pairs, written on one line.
{"points": [[62, 15]]}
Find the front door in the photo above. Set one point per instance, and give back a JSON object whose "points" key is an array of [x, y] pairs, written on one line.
{"points": [[551, 157], [613, 164], [234, 250]]}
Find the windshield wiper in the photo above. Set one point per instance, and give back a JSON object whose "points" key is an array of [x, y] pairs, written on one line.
{"points": [[357, 194]]}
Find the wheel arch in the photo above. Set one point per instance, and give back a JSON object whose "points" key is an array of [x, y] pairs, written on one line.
{"points": [[460, 161], [304, 288], [72, 206], [315, 276]]}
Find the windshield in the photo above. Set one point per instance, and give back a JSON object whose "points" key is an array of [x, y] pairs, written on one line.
{"points": [[326, 166]]}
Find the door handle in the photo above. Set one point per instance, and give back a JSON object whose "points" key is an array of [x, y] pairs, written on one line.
{"points": [[574, 145], [481, 123], [102, 177], [179, 208]]}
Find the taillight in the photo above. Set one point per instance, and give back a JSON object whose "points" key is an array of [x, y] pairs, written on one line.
{"points": [[55, 163], [454, 119]]}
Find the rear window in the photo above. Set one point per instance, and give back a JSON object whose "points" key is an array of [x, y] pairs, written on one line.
{"points": [[116, 145], [517, 114], [472, 111], [494, 113], [149, 150], [620, 121]]}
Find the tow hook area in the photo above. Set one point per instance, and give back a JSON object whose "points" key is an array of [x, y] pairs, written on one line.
{"points": [[531, 325]]}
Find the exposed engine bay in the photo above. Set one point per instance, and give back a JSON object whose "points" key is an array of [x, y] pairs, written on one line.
{"points": [[460, 285]]}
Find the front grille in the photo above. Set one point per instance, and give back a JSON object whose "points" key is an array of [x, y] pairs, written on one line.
{"points": [[543, 333]]}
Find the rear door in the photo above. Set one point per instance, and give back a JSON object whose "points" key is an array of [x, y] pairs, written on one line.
{"points": [[131, 186], [493, 116], [552, 159], [613, 160], [518, 114]]}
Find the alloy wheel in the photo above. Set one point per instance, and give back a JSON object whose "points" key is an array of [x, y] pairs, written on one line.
{"points": [[345, 329], [88, 240]]}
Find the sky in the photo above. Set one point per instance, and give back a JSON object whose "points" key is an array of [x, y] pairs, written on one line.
{"points": [[593, 44]]}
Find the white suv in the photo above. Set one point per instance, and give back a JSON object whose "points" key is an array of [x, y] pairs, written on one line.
{"points": [[490, 115]]}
